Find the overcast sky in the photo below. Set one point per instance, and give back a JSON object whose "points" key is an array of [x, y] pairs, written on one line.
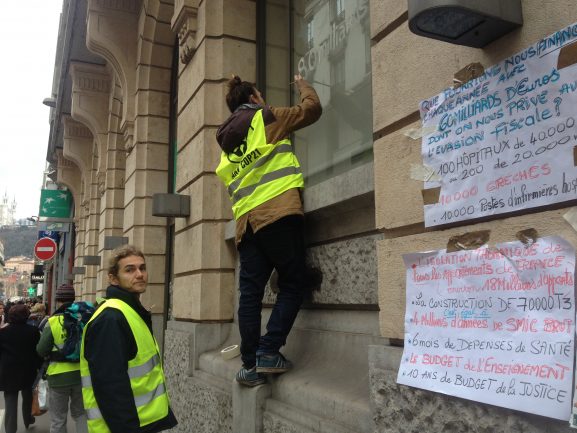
{"points": [[28, 36]]}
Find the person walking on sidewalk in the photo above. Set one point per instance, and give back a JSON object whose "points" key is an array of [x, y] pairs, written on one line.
{"points": [[37, 315], [123, 384], [19, 365], [63, 376], [263, 178]]}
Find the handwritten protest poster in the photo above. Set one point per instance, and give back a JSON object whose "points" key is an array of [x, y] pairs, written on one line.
{"points": [[494, 325], [504, 141]]}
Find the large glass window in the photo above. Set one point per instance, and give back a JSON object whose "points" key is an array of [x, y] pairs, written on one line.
{"points": [[328, 43]]}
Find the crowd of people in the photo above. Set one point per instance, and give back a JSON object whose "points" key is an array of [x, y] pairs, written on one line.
{"points": [[101, 362], [36, 307], [19, 362]]}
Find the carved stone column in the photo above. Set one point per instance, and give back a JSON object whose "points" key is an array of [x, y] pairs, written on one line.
{"points": [[92, 210], [112, 33], [79, 222], [204, 265], [184, 23], [68, 175], [77, 143], [111, 186], [91, 93], [90, 101]]}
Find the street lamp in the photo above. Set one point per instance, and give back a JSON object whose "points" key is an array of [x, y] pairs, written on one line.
{"points": [[464, 22]]}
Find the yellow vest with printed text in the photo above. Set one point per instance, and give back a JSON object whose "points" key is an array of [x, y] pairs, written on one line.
{"points": [[257, 171], [144, 370], [59, 335]]}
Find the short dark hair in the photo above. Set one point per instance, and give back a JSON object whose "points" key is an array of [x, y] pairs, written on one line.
{"points": [[239, 92], [18, 314], [120, 253]]}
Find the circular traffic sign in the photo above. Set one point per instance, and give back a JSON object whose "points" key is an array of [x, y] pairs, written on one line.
{"points": [[45, 249]]}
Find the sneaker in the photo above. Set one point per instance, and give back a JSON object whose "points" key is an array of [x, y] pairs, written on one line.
{"points": [[31, 421], [272, 363], [249, 377]]}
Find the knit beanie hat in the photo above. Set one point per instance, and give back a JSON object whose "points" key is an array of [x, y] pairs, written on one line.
{"points": [[65, 293]]}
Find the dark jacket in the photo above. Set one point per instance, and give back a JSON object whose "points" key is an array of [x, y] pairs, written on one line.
{"points": [[19, 362], [108, 346]]}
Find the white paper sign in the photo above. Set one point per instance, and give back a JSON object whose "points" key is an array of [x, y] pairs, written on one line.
{"points": [[504, 141], [494, 325]]}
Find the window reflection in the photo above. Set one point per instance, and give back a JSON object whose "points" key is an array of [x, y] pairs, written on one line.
{"points": [[330, 47]]}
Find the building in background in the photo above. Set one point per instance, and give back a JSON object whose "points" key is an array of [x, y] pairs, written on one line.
{"points": [[7, 210], [20, 264], [138, 96], [16, 276]]}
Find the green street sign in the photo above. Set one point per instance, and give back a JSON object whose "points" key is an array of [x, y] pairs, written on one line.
{"points": [[55, 203]]}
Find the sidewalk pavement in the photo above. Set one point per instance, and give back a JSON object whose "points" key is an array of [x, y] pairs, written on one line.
{"points": [[42, 424]]}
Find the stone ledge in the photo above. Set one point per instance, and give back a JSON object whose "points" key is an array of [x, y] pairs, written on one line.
{"points": [[316, 387], [281, 418]]}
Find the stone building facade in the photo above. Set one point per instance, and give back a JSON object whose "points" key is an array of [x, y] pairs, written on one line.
{"points": [[139, 91]]}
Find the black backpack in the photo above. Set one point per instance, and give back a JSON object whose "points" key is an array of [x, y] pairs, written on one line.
{"points": [[76, 316]]}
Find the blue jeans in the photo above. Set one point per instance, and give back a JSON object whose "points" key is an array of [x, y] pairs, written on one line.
{"points": [[279, 246]]}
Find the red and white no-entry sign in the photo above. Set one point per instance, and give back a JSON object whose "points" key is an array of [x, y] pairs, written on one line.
{"points": [[45, 249]]}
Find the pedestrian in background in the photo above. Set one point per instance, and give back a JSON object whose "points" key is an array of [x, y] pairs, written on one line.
{"points": [[37, 313], [63, 377], [2, 314], [7, 307], [19, 364]]}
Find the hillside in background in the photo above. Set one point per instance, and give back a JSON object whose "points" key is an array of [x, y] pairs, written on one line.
{"points": [[18, 241]]}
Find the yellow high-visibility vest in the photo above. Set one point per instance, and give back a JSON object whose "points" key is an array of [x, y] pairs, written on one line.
{"points": [[59, 335], [257, 171], [145, 373]]}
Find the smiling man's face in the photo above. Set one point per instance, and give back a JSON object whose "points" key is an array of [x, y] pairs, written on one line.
{"points": [[132, 275]]}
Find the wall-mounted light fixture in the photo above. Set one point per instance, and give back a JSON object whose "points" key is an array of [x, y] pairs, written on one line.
{"points": [[49, 102], [91, 260], [464, 22], [78, 270], [170, 205], [111, 242]]}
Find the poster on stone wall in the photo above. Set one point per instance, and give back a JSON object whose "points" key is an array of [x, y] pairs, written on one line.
{"points": [[505, 141], [494, 325]]}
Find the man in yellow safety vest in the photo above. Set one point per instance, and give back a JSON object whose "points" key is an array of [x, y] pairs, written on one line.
{"points": [[263, 178], [123, 384], [63, 376]]}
